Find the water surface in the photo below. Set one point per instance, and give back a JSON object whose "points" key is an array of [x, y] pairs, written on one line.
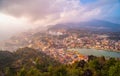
{"points": [[97, 52]]}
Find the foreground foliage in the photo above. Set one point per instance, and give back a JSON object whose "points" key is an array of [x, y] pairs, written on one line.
{"points": [[30, 62]]}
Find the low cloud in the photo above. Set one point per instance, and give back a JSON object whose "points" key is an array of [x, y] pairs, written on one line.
{"points": [[53, 11], [19, 15]]}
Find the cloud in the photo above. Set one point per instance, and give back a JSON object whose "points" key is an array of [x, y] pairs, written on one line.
{"points": [[10, 25], [45, 12], [19, 15]]}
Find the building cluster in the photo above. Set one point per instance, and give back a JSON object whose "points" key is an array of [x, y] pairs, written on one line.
{"points": [[57, 43]]}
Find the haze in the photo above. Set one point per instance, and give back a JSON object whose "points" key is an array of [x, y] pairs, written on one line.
{"points": [[20, 15]]}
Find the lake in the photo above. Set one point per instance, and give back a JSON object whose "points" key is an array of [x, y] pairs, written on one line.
{"points": [[97, 52]]}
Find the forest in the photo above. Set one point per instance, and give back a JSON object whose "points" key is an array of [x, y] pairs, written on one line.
{"points": [[31, 62]]}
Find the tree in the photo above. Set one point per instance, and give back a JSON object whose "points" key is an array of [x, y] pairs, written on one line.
{"points": [[81, 64], [60, 71], [91, 57], [94, 64], [75, 72], [87, 72], [9, 72], [33, 72], [102, 60], [114, 70], [110, 62], [22, 72]]}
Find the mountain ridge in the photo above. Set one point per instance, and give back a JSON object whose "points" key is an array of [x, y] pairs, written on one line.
{"points": [[95, 25]]}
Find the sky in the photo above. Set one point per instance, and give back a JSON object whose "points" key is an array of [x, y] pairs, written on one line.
{"points": [[21, 15]]}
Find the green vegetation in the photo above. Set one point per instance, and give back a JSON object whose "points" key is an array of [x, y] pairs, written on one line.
{"points": [[30, 62]]}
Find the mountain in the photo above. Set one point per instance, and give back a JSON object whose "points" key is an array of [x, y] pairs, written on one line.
{"points": [[6, 58], [25, 56], [34, 63], [95, 25], [113, 19]]}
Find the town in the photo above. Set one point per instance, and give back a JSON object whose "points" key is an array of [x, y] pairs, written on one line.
{"points": [[56, 43]]}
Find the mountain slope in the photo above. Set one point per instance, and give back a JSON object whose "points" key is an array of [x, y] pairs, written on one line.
{"points": [[95, 25], [25, 56], [6, 58]]}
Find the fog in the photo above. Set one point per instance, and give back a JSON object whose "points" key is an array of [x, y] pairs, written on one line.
{"points": [[21, 15], [10, 26]]}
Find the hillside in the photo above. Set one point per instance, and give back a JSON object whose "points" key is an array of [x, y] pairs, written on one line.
{"points": [[6, 58], [95, 25], [25, 57], [31, 62]]}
